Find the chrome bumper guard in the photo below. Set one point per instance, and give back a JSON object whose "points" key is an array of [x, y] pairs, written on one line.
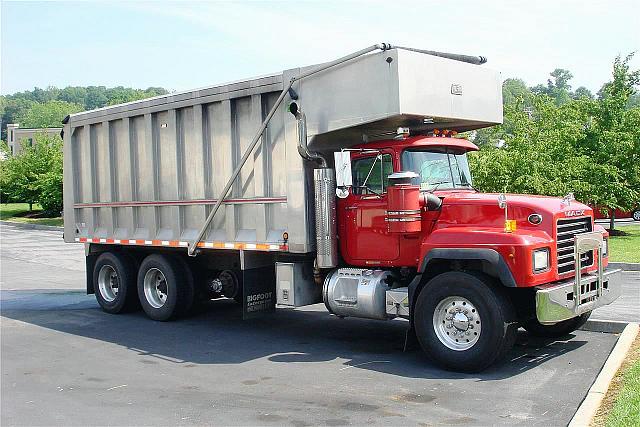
{"points": [[569, 298]]}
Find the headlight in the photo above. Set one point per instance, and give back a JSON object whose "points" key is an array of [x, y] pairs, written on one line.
{"points": [[540, 260], [605, 247]]}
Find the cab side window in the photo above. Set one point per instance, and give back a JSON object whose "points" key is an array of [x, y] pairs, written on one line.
{"points": [[370, 174]]}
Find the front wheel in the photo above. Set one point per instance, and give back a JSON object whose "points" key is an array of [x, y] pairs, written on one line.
{"points": [[636, 215], [560, 329], [463, 322]]}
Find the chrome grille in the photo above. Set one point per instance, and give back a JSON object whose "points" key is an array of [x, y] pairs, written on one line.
{"points": [[565, 230]]}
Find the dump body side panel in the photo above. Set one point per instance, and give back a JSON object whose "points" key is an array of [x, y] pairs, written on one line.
{"points": [[150, 174]]}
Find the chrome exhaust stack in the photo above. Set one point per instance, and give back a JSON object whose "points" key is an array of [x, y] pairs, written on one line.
{"points": [[324, 185]]}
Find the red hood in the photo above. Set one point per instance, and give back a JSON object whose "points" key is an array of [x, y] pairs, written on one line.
{"points": [[551, 205], [470, 208], [478, 217]]}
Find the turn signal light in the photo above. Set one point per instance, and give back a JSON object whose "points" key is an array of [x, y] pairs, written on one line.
{"points": [[510, 225]]}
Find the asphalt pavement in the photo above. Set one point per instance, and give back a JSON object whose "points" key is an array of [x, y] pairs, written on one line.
{"points": [[65, 362]]}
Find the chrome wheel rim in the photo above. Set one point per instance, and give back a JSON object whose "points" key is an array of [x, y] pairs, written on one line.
{"points": [[108, 283], [636, 215], [457, 323], [155, 287]]}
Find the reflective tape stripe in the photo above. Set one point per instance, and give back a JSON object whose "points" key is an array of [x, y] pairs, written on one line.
{"points": [[176, 243]]}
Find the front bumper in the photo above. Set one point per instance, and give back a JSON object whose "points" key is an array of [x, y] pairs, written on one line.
{"points": [[556, 302]]}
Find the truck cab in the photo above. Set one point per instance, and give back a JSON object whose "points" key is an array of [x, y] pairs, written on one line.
{"points": [[407, 206]]}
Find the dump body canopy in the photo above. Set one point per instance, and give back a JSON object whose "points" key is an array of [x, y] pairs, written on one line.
{"points": [[148, 172], [371, 98]]}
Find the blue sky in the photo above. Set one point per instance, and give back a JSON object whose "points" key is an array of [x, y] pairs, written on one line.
{"points": [[184, 45]]}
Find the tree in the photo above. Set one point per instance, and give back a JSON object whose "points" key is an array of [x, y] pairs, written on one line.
{"points": [[49, 150], [11, 109], [582, 92], [49, 114], [120, 95], [590, 147], [558, 88], [73, 95], [614, 140], [514, 90], [35, 176], [96, 97], [539, 155], [19, 177]]}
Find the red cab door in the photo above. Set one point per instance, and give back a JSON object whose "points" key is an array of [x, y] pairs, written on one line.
{"points": [[364, 238]]}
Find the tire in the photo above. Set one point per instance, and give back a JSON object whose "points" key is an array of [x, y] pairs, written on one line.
{"points": [[491, 321], [114, 283], [636, 215], [561, 329], [165, 287]]}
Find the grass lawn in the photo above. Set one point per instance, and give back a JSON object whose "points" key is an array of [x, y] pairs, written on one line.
{"points": [[621, 405], [19, 212], [625, 248]]}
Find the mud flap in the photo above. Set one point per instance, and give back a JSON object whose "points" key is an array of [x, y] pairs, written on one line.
{"points": [[411, 340], [258, 285]]}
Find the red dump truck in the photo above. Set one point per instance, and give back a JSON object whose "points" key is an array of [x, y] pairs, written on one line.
{"points": [[344, 183]]}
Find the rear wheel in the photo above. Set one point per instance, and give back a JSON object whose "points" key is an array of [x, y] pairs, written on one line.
{"points": [[636, 215], [165, 287], [463, 322], [557, 330], [114, 282]]}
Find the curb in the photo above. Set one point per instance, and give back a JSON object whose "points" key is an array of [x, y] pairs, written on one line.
{"points": [[32, 226], [626, 266], [604, 326], [589, 406]]}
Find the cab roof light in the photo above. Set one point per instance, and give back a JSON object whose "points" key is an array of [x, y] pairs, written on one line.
{"points": [[402, 132], [444, 132]]}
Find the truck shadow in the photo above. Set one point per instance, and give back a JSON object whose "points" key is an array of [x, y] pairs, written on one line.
{"points": [[218, 335]]}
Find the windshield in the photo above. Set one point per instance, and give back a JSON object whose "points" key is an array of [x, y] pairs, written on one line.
{"points": [[438, 169]]}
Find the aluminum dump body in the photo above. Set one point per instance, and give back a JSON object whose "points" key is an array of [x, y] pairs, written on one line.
{"points": [[148, 172]]}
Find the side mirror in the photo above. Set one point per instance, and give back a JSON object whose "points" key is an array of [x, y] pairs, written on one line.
{"points": [[343, 168], [502, 201], [343, 173]]}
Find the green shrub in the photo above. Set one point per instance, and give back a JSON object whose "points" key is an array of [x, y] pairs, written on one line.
{"points": [[35, 175]]}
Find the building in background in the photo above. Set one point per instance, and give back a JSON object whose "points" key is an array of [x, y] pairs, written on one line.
{"points": [[16, 134]]}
